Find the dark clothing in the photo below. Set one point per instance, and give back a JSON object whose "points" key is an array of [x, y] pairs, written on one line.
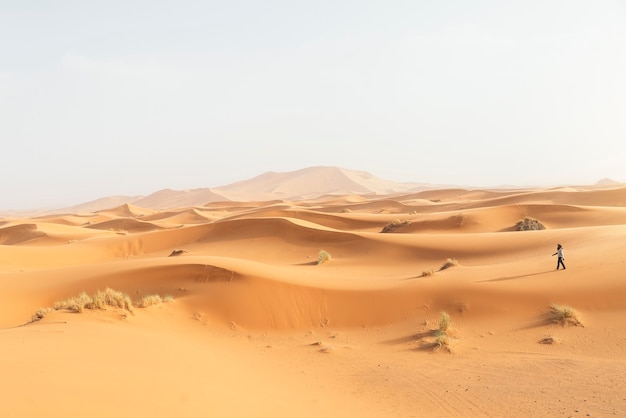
{"points": [[560, 263]]}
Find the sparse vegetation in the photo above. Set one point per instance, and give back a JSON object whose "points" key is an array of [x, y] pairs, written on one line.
{"points": [[76, 304], [392, 226], [114, 298], [444, 322], [564, 315], [427, 273], [40, 314], [442, 334], [442, 341], [101, 300], [323, 257], [529, 224], [550, 340], [149, 300], [450, 262]]}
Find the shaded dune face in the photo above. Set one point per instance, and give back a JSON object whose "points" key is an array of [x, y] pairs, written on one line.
{"points": [[16, 234], [255, 263]]}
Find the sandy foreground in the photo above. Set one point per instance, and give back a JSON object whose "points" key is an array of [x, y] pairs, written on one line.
{"points": [[256, 328]]}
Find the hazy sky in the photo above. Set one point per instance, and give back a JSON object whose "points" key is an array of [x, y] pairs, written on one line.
{"points": [[102, 98]]}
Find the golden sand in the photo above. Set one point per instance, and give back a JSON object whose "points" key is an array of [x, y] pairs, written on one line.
{"points": [[258, 328]]}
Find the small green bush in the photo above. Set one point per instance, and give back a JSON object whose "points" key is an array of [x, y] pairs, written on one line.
{"points": [[442, 334], [323, 257], [444, 322], [442, 341]]}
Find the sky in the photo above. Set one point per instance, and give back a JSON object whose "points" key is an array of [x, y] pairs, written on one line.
{"points": [[102, 98]]}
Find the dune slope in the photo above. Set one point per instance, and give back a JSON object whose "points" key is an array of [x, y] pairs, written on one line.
{"points": [[256, 326]]}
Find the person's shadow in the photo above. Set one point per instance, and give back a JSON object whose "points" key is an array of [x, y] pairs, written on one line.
{"points": [[501, 279]]}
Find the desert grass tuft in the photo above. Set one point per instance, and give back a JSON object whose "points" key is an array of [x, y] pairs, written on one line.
{"points": [[115, 299], [438, 338], [444, 322], [323, 257], [100, 300], [529, 224], [40, 314], [450, 262], [76, 304], [442, 341], [442, 333], [392, 226], [564, 315], [444, 326], [149, 300]]}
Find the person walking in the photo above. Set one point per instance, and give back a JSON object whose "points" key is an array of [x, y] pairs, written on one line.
{"points": [[560, 255]]}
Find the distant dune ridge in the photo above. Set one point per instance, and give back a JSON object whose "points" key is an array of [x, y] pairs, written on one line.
{"points": [[296, 185], [322, 292], [307, 183]]}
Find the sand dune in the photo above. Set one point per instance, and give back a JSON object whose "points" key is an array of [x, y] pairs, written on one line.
{"points": [[256, 327]]}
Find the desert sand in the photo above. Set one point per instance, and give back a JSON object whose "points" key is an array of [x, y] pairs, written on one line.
{"points": [[257, 328]]}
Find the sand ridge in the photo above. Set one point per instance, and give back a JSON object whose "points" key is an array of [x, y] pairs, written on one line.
{"points": [[258, 328]]}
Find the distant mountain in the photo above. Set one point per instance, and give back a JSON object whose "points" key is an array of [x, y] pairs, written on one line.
{"points": [[169, 198], [99, 204], [310, 182], [90, 206], [608, 182], [294, 185]]}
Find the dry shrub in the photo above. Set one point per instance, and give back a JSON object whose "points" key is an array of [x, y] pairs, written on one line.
{"points": [[76, 304], [323, 257], [40, 314], [100, 300], [392, 226], [149, 300], [450, 262], [564, 315], [529, 224], [428, 273], [550, 340], [114, 298]]}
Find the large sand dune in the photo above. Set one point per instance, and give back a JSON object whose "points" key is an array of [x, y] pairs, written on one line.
{"points": [[258, 328]]}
